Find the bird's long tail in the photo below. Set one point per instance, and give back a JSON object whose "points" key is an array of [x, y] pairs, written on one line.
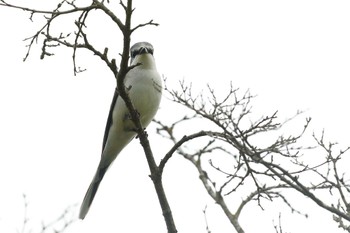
{"points": [[91, 192]]}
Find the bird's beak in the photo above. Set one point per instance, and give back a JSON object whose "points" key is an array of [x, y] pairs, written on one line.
{"points": [[143, 50]]}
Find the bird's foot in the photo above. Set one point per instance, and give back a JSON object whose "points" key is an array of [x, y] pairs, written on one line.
{"points": [[127, 116], [145, 133], [137, 113]]}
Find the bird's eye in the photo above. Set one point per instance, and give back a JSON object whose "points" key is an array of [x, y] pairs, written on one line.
{"points": [[133, 54]]}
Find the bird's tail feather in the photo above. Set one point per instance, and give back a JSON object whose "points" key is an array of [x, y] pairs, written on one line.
{"points": [[91, 192]]}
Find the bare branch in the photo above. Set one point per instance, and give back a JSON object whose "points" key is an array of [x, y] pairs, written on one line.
{"points": [[271, 168], [206, 220], [144, 24], [58, 225], [182, 141]]}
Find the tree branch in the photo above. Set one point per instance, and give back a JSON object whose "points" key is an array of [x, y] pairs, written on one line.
{"points": [[271, 169]]}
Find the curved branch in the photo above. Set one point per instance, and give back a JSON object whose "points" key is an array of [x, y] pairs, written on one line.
{"points": [[182, 141], [108, 12], [294, 183], [55, 12], [144, 24]]}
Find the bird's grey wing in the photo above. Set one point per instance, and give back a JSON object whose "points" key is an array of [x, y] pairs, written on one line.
{"points": [[110, 118]]}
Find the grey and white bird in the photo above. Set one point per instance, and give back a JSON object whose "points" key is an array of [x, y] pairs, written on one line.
{"points": [[144, 87]]}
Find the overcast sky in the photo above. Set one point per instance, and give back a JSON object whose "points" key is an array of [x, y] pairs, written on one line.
{"points": [[294, 55]]}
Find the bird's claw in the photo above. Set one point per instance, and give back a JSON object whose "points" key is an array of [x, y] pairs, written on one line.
{"points": [[146, 134]]}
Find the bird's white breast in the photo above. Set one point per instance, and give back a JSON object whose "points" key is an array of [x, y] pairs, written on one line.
{"points": [[145, 92], [144, 87]]}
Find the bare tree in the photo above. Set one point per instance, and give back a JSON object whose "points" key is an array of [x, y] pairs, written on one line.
{"points": [[239, 155], [79, 39], [242, 153]]}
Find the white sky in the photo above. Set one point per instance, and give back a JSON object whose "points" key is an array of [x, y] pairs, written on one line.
{"points": [[292, 54]]}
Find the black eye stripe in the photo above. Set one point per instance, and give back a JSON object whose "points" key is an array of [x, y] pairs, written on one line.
{"points": [[141, 50]]}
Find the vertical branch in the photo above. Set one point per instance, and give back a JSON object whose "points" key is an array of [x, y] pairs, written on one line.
{"points": [[156, 174], [25, 217]]}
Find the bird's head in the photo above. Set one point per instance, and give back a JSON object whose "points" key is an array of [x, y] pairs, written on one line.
{"points": [[142, 52]]}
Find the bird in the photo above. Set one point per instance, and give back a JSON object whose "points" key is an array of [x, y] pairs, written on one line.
{"points": [[144, 86]]}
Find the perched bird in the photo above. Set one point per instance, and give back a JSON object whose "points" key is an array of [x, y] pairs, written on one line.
{"points": [[144, 86]]}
